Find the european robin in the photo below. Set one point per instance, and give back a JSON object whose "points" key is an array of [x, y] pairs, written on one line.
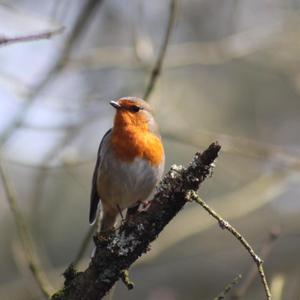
{"points": [[130, 162]]}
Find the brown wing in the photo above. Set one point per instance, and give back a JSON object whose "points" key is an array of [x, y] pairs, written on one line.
{"points": [[94, 198]]}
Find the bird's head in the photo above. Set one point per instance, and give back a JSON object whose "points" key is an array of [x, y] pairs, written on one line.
{"points": [[134, 111]]}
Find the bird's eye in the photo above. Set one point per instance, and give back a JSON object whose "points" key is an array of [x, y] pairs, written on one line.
{"points": [[135, 108]]}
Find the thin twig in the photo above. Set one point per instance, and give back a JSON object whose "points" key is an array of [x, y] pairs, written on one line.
{"points": [[68, 138], [225, 225], [228, 287], [158, 65], [126, 280], [26, 240], [30, 37], [265, 251]]}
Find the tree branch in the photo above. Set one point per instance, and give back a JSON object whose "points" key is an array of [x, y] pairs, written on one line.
{"points": [[228, 287], [86, 13], [26, 240], [225, 225], [158, 65], [264, 252], [30, 37], [83, 246], [120, 249]]}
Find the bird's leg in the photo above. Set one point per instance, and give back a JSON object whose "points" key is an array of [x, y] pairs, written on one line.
{"points": [[131, 211], [144, 205], [120, 212], [139, 207], [109, 219]]}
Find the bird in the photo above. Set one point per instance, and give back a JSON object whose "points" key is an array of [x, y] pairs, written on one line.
{"points": [[130, 162]]}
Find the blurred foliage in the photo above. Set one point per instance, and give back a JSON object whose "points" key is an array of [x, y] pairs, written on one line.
{"points": [[231, 74]]}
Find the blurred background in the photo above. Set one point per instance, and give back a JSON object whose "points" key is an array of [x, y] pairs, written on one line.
{"points": [[231, 73]]}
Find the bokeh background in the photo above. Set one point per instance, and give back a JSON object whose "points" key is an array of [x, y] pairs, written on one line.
{"points": [[231, 73]]}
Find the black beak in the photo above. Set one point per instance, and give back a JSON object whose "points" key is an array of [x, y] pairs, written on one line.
{"points": [[115, 104]]}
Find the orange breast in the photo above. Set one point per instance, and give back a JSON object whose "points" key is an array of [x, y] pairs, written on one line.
{"points": [[131, 140]]}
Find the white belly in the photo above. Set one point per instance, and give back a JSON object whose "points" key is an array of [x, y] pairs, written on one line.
{"points": [[126, 183]]}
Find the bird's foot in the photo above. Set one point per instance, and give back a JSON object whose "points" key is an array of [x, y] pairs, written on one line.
{"points": [[144, 205]]}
